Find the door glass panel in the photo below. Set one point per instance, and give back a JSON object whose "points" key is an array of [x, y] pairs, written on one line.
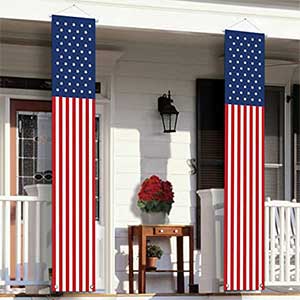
{"points": [[34, 151]]}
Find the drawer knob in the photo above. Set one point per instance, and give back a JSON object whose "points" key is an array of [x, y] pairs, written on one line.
{"points": [[175, 230], [161, 230]]}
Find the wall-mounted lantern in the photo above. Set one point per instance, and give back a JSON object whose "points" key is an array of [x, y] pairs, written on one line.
{"points": [[168, 112]]}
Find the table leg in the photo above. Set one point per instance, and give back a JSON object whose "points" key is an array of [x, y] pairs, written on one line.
{"points": [[191, 256], [180, 274], [130, 259], [142, 262]]}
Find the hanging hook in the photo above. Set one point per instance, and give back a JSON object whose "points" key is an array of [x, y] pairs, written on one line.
{"points": [[76, 7], [245, 20]]}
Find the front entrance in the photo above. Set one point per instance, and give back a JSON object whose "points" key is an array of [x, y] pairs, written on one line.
{"points": [[31, 175]]}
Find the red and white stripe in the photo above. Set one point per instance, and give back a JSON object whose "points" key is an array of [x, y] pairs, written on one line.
{"points": [[244, 198], [73, 198]]}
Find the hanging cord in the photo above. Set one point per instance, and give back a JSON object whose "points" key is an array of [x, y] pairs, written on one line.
{"points": [[78, 8], [245, 20]]}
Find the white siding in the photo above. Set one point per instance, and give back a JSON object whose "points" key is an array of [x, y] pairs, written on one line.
{"points": [[143, 74]]}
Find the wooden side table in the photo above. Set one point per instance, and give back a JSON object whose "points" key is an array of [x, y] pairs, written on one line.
{"points": [[142, 232]]}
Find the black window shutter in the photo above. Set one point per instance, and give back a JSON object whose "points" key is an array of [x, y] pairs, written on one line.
{"points": [[210, 133]]}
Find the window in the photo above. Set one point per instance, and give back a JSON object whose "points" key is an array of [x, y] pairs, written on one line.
{"points": [[98, 166], [296, 141], [274, 142], [210, 137]]}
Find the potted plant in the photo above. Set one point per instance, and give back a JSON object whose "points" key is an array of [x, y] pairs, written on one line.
{"points": [[154, 253], [155, 200]]}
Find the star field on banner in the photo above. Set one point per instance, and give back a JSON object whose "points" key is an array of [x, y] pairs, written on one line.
{"points": [[73, 142], [244, 161]]}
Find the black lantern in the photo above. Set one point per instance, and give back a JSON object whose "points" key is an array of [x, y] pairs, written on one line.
{"points": [[168, 112]]}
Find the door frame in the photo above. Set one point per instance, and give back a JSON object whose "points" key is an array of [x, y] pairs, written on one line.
{"points": [[18, 105], [6, 95]]}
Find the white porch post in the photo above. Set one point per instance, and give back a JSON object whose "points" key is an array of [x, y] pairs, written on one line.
{"points": [[7, 189]]}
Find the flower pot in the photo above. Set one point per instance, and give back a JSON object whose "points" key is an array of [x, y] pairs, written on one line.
{"points": [[155, 218], [151, 263]]}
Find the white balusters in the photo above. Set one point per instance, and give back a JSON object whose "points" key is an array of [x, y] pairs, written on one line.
{"points": [[267, 242], [26, 239], [282, 243], [1, 240], [273, 242], [297, 245], [6, 248], [16, 213], [18, 240], [37, 240], [288, 243]]}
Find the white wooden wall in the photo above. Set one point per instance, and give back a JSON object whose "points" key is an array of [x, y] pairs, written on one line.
{"points": [[140, 149], [143, 74]]}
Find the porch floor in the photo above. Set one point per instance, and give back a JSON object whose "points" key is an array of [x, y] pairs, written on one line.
{"points": [[159, 296]]}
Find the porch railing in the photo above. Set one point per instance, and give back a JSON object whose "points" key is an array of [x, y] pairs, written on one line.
{"points": [[282, 243], [23, 241]]}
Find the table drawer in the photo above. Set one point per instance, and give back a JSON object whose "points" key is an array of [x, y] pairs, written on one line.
{"points": [[161, 231]]}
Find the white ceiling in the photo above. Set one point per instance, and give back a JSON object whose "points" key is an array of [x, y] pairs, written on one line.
{"points": [[283, 4], [38, 33]]}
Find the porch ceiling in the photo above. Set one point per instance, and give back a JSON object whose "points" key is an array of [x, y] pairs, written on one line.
{"points": [[286, 4], [38, 33]]}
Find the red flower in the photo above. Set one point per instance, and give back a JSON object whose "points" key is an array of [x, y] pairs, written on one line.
{"points": [[154, 188]]}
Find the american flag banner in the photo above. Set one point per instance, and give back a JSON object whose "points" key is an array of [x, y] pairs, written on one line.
{"points": [[244, 161], [73, 154]]}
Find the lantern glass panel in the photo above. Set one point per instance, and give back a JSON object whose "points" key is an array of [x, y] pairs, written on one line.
{"points": [[169, 122]]}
